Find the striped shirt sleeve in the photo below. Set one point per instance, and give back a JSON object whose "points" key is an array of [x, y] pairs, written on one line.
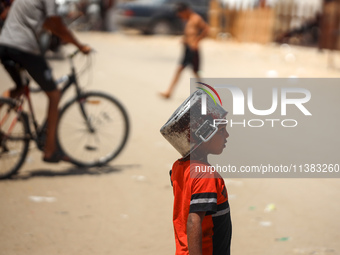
{"points": [[204, 202], [204, 196]]}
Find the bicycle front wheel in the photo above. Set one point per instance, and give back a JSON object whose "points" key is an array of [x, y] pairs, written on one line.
{"points": [[14, 138], [93, 129]]}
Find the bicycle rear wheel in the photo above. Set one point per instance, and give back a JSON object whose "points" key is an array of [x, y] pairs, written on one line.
{"points": [[93, 129], [14, 138]]}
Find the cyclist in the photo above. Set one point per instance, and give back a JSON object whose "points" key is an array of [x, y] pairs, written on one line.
{"points": [[19, 46]]}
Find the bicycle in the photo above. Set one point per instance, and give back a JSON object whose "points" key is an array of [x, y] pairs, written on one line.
{"points": [[92, 130]]}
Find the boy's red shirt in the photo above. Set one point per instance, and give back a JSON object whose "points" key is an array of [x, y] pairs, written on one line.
{"points": [[197, 191]]}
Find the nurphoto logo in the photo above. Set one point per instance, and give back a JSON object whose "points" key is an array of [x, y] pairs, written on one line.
{"points": [[280, 99], [204, 97]]}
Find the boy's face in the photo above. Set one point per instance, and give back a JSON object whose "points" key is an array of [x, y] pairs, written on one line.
{"points": [[218, 142]]}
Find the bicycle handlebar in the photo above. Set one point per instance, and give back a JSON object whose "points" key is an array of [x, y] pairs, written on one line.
{"points": [[63, 78], [72, 55]]}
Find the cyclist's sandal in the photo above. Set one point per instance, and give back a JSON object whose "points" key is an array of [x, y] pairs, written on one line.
{"points": [[56, 157]]}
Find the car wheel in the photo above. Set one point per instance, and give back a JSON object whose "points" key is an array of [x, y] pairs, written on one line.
{"points": [[161, 28]]}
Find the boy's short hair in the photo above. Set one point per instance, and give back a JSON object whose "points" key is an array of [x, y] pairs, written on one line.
{"points": [[181, 6]]}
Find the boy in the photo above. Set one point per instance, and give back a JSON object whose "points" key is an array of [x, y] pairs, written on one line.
{"points": [[195, 30], [201, 214]]}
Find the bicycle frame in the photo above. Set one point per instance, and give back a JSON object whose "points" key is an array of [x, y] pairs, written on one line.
{"points": [[70, 79], [19, 110], [82, 108]]}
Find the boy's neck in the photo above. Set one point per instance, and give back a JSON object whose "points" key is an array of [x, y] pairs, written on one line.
{"points": [[199, 156]]}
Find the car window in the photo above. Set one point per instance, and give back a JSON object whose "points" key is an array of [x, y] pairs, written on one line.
{"points": [[200, 2]]}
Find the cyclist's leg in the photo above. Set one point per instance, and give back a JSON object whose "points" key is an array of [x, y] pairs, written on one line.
{"points": [[14, 71], [52, 121], [42, 74]]}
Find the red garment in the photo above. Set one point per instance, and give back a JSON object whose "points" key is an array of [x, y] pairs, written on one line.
{"points": [[197, 192]]}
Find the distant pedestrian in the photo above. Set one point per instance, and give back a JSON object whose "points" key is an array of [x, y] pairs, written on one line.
{"points": [[195, 30], [105, 6]]}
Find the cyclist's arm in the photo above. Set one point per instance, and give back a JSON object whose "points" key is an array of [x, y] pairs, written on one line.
{"points": [[56, 25]]}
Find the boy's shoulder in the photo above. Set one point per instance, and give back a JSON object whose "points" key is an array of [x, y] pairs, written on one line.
{"points": [[193, 168], [186, 163]]}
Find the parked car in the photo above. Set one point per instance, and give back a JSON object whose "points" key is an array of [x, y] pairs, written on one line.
{"points": [[156, 16]]}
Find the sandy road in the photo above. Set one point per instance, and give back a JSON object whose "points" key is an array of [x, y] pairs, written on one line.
{"points": [[127, 207]]}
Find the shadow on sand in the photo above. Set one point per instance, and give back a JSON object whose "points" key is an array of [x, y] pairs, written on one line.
{"points": [[72, 171]]}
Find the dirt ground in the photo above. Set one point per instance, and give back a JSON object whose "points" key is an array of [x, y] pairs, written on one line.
{"points": [[126, 208]]}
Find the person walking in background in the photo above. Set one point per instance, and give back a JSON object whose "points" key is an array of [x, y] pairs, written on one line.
{"points": [[19, 45], [105, 6], [195, 30]]}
